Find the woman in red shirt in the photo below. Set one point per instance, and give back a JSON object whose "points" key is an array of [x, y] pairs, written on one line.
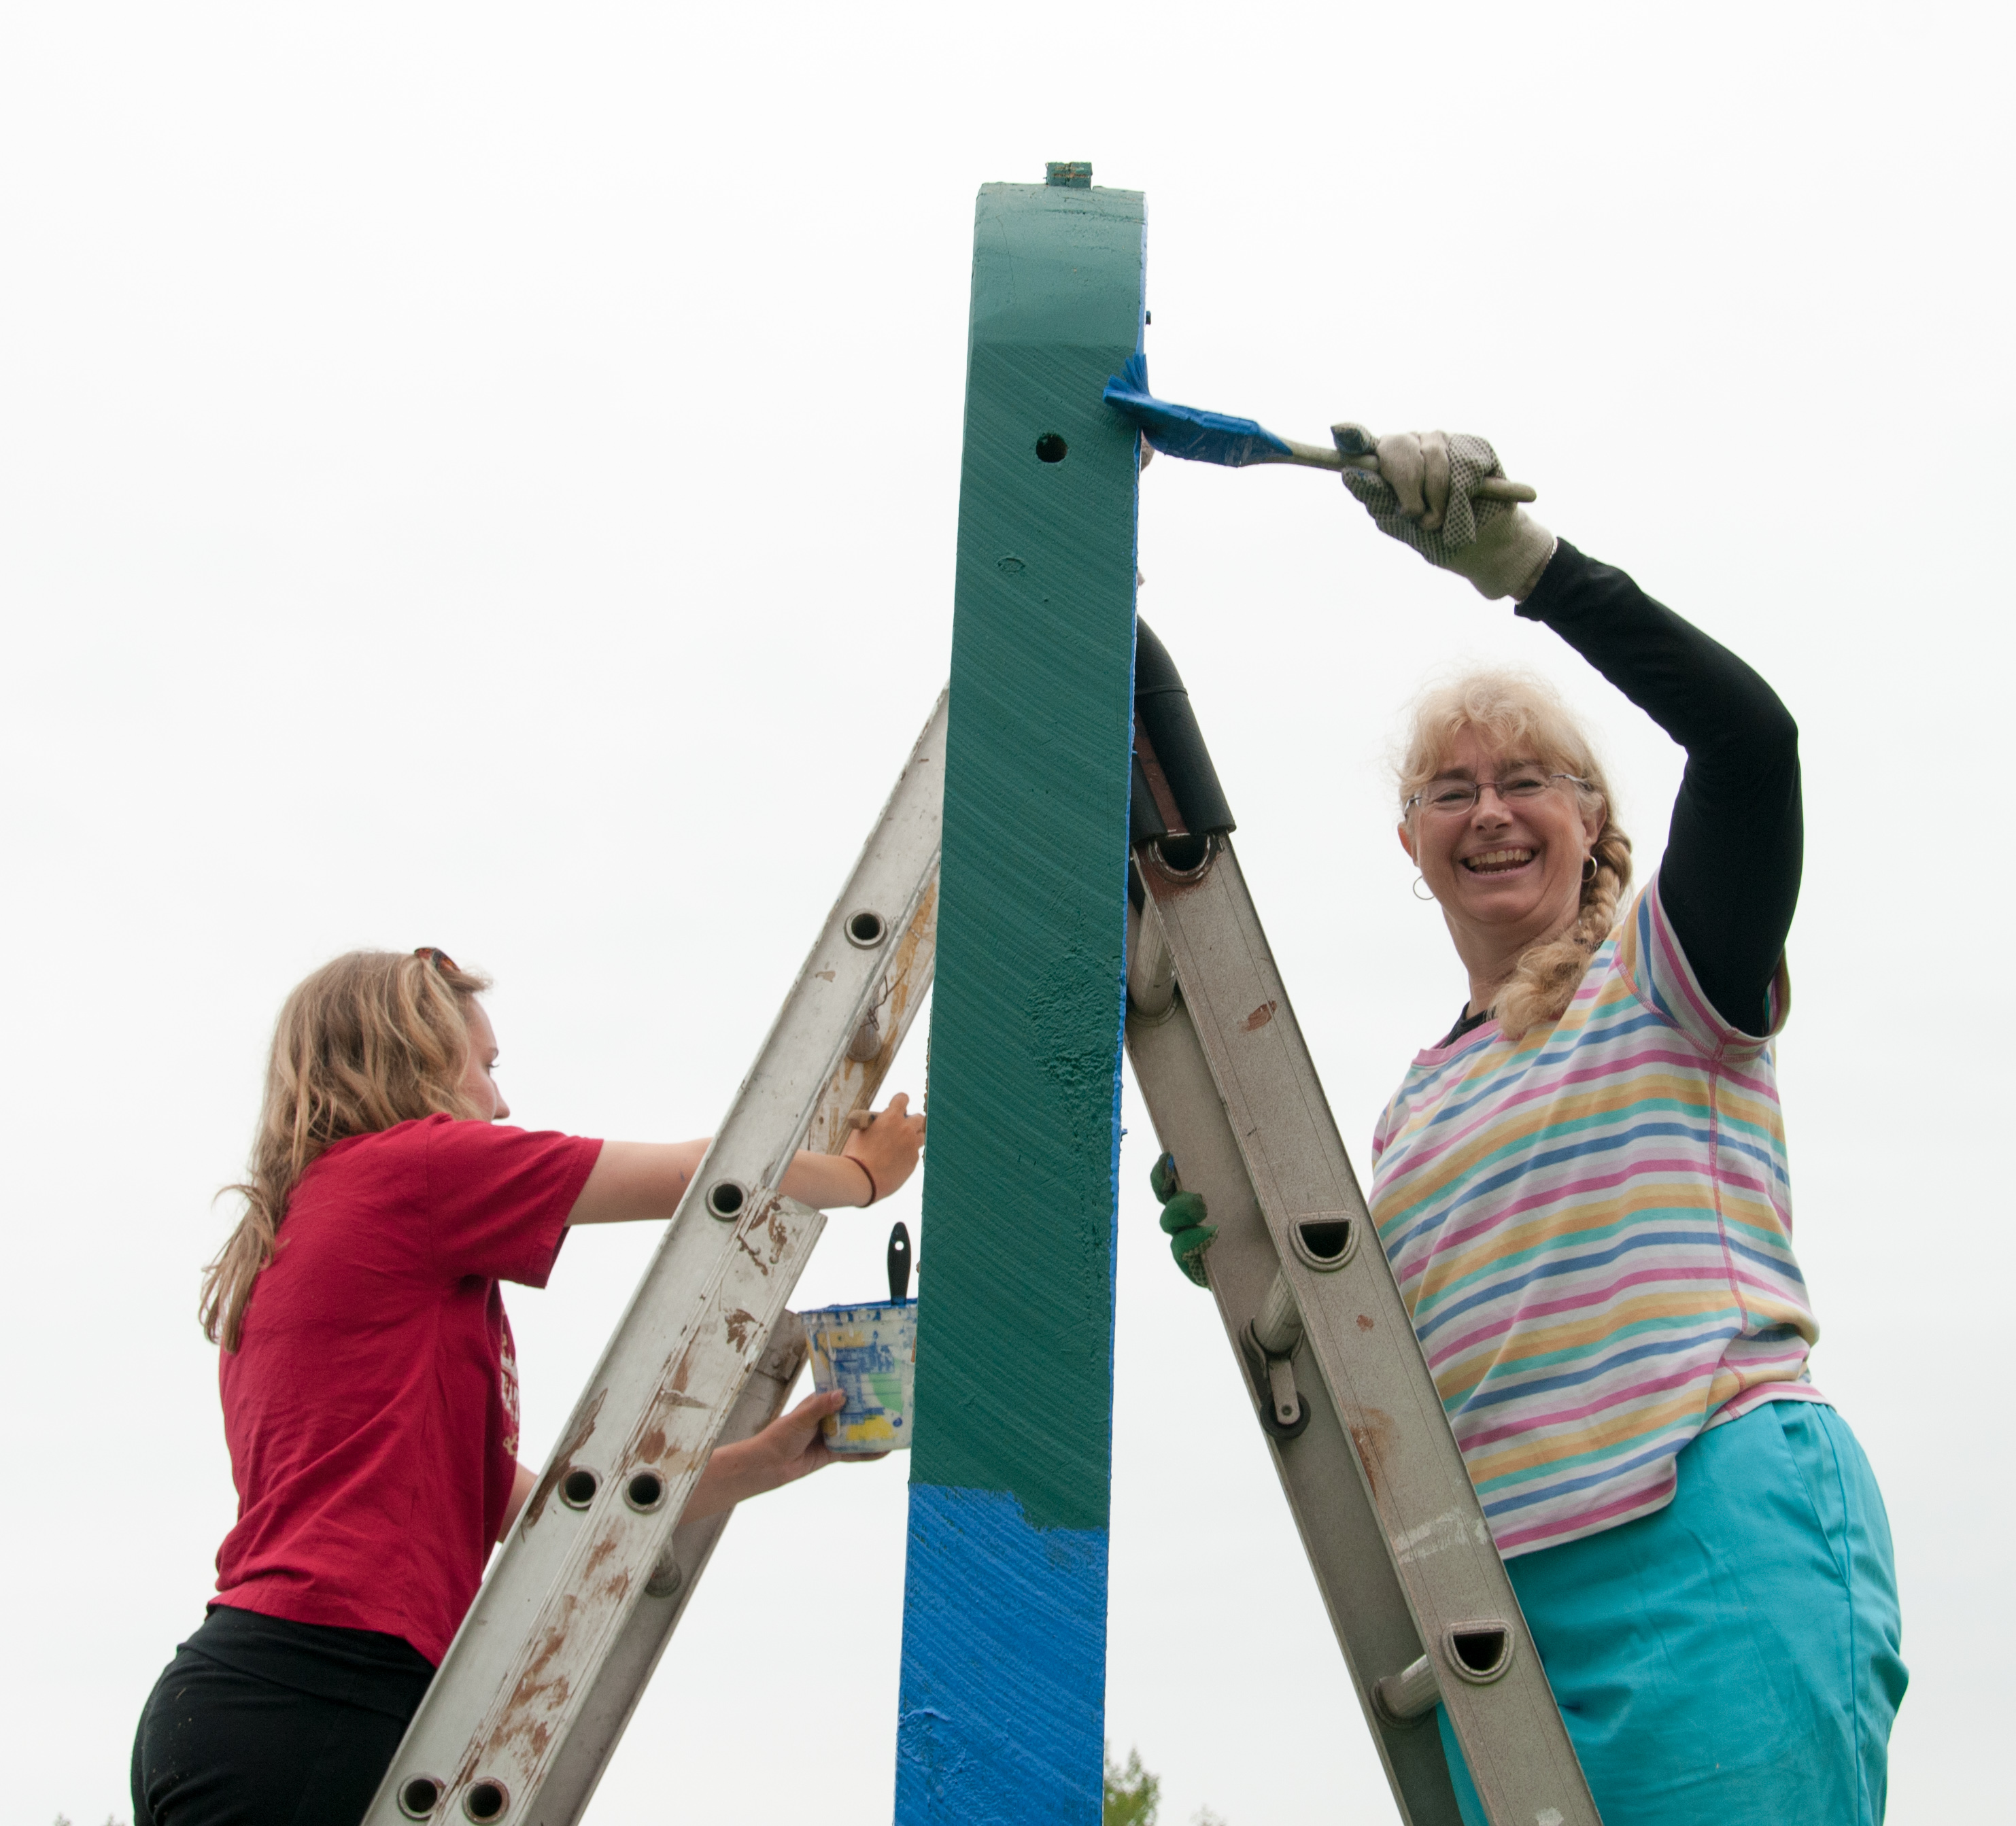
{"points": [[370, 1388]]}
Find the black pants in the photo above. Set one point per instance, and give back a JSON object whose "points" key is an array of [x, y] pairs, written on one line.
{"points": [[258, 1722]]}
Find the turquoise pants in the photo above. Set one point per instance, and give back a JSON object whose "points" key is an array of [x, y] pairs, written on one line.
{"points": [[1734, 1657]]}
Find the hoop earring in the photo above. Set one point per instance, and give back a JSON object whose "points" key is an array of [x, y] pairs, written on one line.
{"points": [[1589, 869], [1420, 880]]}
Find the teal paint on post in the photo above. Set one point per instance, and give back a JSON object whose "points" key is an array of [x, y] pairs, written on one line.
{"points": [[1004, 1641]]}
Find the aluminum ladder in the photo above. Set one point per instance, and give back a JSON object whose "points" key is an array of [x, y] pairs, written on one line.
{"points": [[1414, 1585], [532, 1698]]}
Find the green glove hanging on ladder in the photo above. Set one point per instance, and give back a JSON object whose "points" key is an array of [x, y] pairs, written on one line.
{"points": [[1183, 1216]]}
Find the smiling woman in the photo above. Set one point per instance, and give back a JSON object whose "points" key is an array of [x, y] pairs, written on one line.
{"points": [[1505, 873], [1583, 1189]]}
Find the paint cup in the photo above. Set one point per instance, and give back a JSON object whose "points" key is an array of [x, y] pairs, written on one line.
{"points": [[868, 1352]]}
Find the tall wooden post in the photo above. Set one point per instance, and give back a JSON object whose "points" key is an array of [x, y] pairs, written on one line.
{"points": [[1004, 1625]]}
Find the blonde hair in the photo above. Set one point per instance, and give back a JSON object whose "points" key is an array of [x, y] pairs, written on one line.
{"points": [[372, 1039], [1523, 717]]}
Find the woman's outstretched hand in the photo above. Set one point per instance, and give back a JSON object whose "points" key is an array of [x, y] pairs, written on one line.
{"points": [[632, 1180], [1426, 494], [888, 1148], [877, 1158], [789, 1448]]}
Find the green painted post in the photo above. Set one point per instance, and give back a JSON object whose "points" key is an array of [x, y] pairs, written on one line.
{"points": [[1002, 1704]]}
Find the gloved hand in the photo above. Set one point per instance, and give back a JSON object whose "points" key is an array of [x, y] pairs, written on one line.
{"points": [[1183, 1216], [1425, 496]]}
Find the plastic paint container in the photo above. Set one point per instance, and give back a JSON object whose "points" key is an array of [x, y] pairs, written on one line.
{"points": [[869, 1353]]}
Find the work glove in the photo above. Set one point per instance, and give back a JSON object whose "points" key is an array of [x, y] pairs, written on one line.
{"points": [[1425, 494], [1183, 1215]]}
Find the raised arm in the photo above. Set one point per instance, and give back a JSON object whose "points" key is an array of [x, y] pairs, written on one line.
{"points": [[1731, 878]]}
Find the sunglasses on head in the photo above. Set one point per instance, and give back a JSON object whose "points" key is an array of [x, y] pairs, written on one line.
{"points": [[439, 958]]}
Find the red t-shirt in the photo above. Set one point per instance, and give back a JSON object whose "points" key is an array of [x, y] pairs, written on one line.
{"points": [[372, 1405]]}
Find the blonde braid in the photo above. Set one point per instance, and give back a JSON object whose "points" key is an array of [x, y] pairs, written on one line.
{"points": [[1544, 981]]}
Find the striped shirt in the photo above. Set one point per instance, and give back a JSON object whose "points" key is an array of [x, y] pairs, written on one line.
{"points": [[1592, 1231]]}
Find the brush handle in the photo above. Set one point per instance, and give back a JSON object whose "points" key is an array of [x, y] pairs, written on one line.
{"points": [[1314, 456], [899, 1264]]}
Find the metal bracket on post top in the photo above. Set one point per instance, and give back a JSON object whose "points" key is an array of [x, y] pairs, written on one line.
{"points": [[1068, 174]]}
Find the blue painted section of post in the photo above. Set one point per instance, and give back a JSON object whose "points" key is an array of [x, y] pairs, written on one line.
{"points": [[1002, 1705]]}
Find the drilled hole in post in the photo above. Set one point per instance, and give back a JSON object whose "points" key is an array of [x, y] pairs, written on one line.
{"points": [[725, 1197], [419, 1797], [1050, 448], [579, 1487], [864, 929], [487, 1800], [645, 1491]]}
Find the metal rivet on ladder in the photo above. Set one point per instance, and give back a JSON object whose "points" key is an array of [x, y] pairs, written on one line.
{"points": [[1269, 1342], [420, 1796], [865, 930], [487, 1800], [645, 1492], [665, 1579], [867, 1040], [579, 1487], [725, 1197], [1412, 1693], [1277, 1327], [1151, 968]]}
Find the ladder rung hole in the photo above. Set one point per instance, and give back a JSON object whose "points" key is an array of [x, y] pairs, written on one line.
{"points": [[486, 1800], [1051, 448], [419, 1797], [725, 1197], [1183, 855], [579, 1487], [645, 1491], [1324, 1242], [1482, 1651], [1328, 1239], [865, 929]]}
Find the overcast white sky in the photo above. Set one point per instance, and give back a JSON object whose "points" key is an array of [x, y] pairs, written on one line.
{"points": [[487, 476]]}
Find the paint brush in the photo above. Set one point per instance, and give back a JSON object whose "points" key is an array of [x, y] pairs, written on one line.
{"points": [[1197, 435]]}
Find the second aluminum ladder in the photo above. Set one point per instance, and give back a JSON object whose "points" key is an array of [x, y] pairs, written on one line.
{"points": [[1414, 1585]]}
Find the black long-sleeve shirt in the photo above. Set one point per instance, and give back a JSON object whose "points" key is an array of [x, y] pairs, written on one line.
{"points": [[1731, 878]]}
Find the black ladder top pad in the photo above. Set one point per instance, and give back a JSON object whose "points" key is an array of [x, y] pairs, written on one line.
{"points": [[1162, 707]]}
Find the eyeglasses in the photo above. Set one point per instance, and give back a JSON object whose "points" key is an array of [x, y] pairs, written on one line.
{"points": [[1459, 798], [433, 954]]}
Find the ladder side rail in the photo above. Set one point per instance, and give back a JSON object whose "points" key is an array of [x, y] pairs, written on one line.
{"points": [[621, 1680], [509, 1695], [511, 1691], [1360, 1334], [1368, 1610]]}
